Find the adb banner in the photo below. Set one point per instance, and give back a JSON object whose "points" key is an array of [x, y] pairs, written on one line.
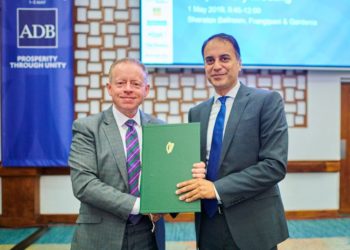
{"points": [[37, 82]]}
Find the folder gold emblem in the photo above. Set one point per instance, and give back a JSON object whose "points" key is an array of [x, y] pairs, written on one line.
{"points": [[168, 153], [169, 147]]}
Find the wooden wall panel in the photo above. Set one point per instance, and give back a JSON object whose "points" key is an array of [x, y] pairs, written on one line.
{"points": [[20, 197], [345, 162]]}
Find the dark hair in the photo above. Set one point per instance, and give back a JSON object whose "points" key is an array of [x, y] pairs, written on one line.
{"points": [[227, 38]]}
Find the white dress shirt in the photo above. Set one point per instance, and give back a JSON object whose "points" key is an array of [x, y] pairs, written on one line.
{"points": [[213, 114], [120, 118]]}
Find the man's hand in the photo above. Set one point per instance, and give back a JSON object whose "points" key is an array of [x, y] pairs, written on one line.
{"points": [[155, 217], [199, 170], [195, 189]]}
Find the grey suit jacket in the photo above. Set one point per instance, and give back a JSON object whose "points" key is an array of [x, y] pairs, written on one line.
{"points": [[100, 181], [253, 161]]}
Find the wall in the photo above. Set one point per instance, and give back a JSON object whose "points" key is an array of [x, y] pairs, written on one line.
{"points": [[320, 140], [56, 196]]}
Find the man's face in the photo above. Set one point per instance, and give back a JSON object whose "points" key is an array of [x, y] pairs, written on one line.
{"points": [[128, 87], [221, 65]]}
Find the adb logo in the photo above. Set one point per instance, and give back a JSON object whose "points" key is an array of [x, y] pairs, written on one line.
{"points": [[37, 28]]}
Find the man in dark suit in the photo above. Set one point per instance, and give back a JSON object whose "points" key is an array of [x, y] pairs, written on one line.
{"points": [[244, 142], [105, 168]]}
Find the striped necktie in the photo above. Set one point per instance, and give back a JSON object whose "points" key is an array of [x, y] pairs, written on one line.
{"points": [[133, 163]]}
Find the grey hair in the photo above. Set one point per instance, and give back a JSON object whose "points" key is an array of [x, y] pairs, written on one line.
{"points": [[127, 60]]}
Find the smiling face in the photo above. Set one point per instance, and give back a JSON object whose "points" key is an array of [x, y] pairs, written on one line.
{"points": [[221, 65], [128, 87]]}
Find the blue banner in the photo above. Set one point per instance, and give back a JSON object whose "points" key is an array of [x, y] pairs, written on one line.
{"points": [[37, 82]]}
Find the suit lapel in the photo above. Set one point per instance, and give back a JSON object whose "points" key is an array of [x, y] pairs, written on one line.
{"points": [[204, 120], [115, 141], [144, 119], [237, 111]]}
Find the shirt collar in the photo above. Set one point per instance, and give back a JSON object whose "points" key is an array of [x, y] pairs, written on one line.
{"points": [[232, 93], [120, 118]]}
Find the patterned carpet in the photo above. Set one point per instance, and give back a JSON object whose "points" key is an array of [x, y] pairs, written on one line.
{"points": [[305, 235]]}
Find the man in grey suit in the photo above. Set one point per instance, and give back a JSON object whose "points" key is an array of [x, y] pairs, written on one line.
{"points": [[244, 141], [105, 166]]}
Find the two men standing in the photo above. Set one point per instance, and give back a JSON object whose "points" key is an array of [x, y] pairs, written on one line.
{"points": [[244, 142]]}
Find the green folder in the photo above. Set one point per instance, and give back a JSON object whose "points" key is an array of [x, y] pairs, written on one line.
{"points": [[168, 153]]}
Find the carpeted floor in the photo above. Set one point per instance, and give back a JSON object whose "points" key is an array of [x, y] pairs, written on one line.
{"points": [[304, 235]]}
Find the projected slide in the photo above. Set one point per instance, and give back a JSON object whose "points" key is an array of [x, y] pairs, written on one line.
{"points": [[280, 33], [157, 32]]}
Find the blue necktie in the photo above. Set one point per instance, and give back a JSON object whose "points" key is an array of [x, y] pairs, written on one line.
{"points": [[210, 206]]}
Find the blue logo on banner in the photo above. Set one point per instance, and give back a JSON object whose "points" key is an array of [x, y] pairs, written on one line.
{"points": [[37, 28]]}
